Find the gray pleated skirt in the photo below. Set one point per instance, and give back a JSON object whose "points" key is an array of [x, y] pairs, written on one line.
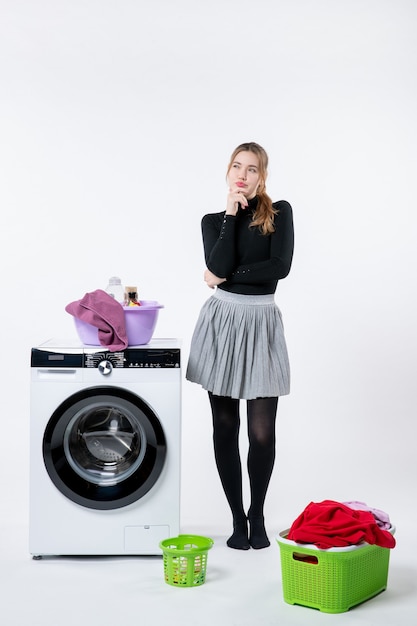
{"points": [[238, 347]]}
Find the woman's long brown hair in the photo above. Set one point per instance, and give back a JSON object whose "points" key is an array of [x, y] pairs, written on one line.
{"points": [[263, 217]]}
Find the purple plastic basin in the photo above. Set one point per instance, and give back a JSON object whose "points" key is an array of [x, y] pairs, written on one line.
{"points": [[140, 324]]}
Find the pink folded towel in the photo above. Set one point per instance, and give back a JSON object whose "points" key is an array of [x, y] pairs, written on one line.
{"points": [[99, 309]]}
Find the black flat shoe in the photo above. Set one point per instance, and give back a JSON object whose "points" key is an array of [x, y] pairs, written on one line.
{"points": [[258, 538], [239, 539]]}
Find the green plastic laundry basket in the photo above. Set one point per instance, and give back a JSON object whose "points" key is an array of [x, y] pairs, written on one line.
{"points": [[185, 560], [333, 580]]}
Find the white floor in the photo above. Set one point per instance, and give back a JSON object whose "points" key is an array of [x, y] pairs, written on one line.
{"points": [[241, 588]]}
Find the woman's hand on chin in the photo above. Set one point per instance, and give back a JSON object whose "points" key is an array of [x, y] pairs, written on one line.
{"points": [[235, 198]]}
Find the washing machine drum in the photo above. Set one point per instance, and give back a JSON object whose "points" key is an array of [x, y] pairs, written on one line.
{"points": [[104, 448]]}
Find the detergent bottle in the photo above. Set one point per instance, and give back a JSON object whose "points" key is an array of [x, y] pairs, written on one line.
{"points": [[115, 289]]}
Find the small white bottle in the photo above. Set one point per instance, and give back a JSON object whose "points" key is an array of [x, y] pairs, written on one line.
{"points": [[115, 289]]}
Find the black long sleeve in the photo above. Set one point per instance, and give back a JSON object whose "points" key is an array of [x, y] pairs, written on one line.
{"points": [[251, 262]]}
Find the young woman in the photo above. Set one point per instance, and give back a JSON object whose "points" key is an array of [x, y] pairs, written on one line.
{"points": [[238, 349]]}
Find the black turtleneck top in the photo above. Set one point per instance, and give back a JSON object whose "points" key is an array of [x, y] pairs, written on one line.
{"points": [[251, 262]]}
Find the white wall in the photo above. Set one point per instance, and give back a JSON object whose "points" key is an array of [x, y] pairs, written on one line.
{"points": [[117, 120]]}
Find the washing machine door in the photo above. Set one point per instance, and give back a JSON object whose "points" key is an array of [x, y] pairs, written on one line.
{"points": [[104, 447]]}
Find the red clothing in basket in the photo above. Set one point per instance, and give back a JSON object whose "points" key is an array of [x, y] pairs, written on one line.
{"points": [[331, 524]]}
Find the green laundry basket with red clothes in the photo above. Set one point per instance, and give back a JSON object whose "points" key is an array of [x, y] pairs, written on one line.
{"points": [[334, 577]]}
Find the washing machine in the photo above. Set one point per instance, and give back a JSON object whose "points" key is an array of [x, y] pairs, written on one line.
{"points": [[105, 431]]}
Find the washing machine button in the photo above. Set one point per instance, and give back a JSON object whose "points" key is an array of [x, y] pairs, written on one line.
{"points": [[105, 367]]}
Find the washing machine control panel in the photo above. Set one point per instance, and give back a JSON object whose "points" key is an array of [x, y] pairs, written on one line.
{"points": [[143, 358], [105, 361]]}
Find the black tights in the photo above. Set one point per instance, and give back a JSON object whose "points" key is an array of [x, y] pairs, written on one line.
{"points": [[261, 414]]}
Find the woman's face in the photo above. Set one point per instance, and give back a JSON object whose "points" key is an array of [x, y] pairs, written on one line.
{"points": [[244, 174]]}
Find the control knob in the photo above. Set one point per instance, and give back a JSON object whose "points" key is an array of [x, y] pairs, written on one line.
{"points": [[105, 367]]}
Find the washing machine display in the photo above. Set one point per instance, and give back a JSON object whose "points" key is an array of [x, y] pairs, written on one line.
{"points": [[105, 433]]}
